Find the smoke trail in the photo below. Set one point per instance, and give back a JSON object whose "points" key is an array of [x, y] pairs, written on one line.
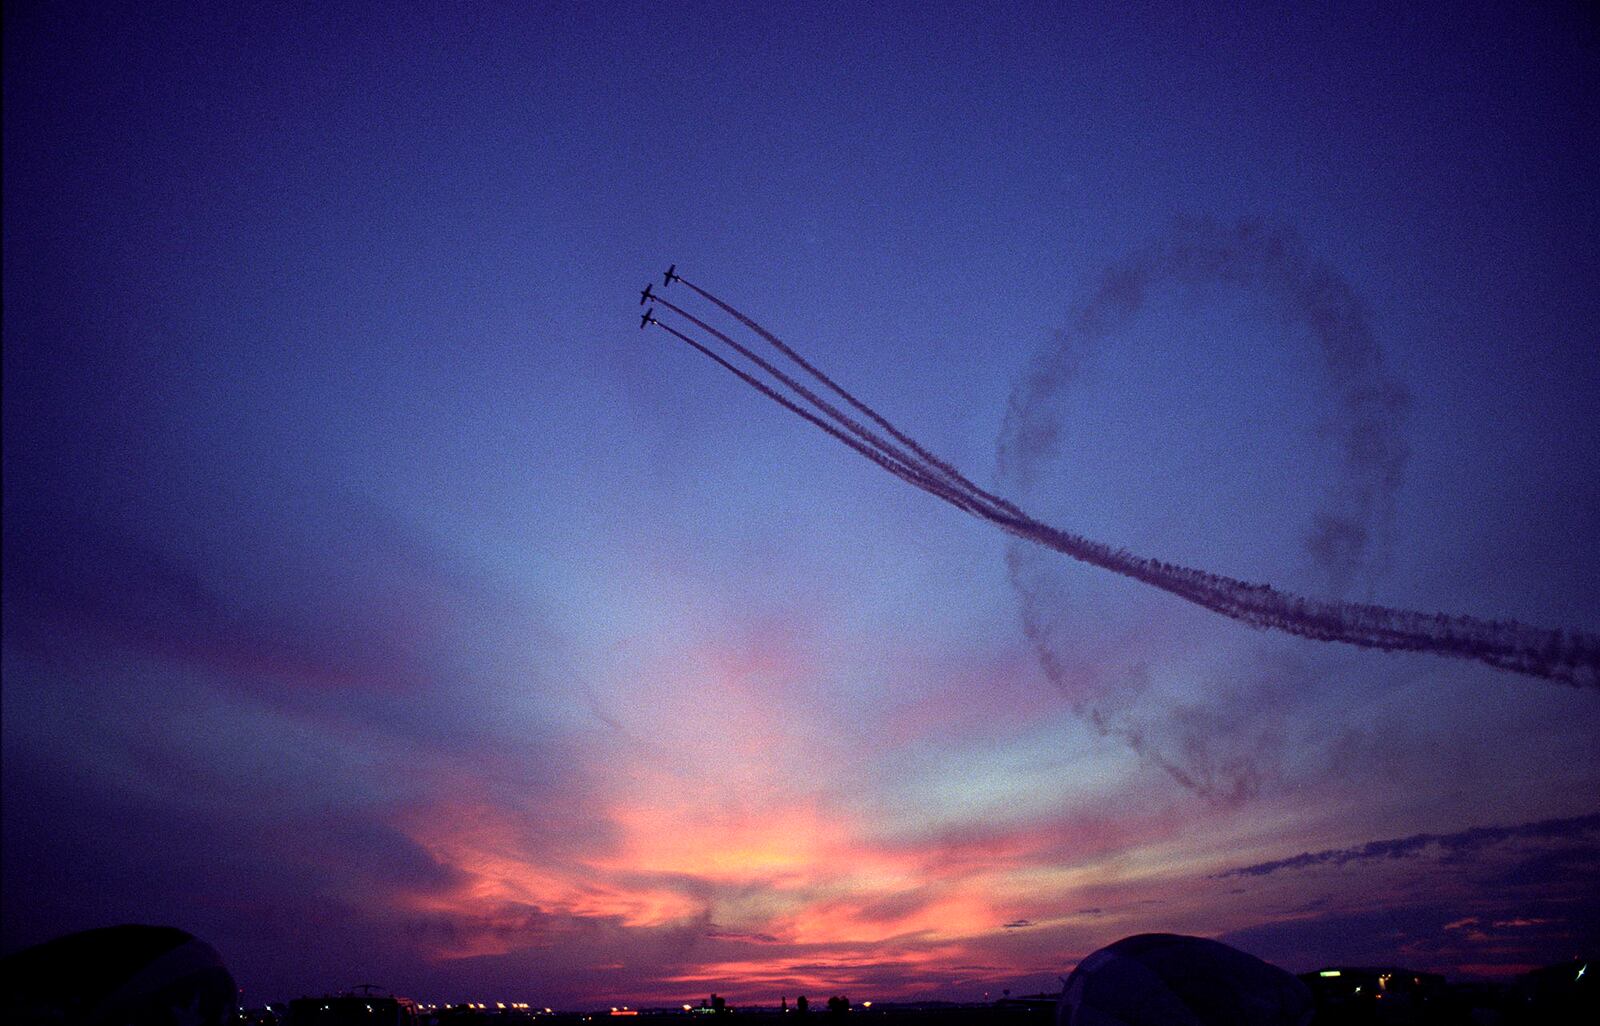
{"points": [[1569, 656], [898, 455], [907, 473], [950, 473], [1233, 764], [1354, 521]]}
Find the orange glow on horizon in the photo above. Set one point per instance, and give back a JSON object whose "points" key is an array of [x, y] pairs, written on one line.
{"points": [[710, 813]]}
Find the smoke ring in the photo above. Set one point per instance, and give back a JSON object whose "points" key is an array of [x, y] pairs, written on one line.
{"points": [[1354, 522], [1350, 530]]}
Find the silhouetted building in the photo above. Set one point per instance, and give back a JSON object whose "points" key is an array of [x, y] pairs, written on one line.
{"points": [[1158, 979], [118, 974], [1378, 994]]}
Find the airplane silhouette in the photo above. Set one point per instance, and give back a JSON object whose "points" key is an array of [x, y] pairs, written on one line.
{"points": [[648, 318], [671, 276], [646, 294]]}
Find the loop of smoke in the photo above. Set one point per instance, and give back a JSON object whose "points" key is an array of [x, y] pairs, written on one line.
{"points": [[1371, 407], [1346, 530]]}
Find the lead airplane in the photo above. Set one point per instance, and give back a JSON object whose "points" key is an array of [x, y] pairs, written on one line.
{"points": [[646, 294], [648, 318], [671, 276]]}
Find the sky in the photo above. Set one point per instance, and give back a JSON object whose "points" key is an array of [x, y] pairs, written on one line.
{"points": [[381, 605]]}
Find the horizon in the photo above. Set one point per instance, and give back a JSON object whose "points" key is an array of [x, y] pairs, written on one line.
{"points": [[787, 1003], [381, 603]]}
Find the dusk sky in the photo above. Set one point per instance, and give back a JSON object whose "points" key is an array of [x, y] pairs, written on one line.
{"points": [[381, 605]]}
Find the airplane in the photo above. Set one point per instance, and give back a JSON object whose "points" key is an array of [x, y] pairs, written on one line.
{"points": [[646, 294], [671, 276], [648, 318]]}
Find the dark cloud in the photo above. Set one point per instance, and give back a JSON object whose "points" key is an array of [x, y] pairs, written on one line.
{"points": [[1372, 936], [335, 608], [143, 521], [1079, 835], [71, 583], [1535, 871], [253, 880], [1459, 844], [753, 938], [893, 907], [229, 718]]}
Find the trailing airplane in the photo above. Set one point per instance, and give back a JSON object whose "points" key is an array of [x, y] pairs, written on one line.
{"points": [[646, 294], [671, 276], [648, 318]]}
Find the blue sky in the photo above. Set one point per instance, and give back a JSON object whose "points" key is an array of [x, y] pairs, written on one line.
{"points": [[354, 535]]}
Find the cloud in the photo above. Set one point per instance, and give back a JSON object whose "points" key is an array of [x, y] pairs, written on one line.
{"points": [[1456, 845], [254, 878], [753, 938], [337, 607], [229, 720]]}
